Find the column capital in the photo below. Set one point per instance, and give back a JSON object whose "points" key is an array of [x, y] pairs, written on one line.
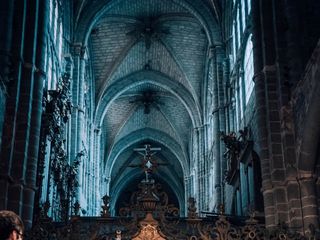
{"points": [[211, 52], [79, 50], [68, 64], [215, 49], [97, 130], [218, 46], [68, 58]]}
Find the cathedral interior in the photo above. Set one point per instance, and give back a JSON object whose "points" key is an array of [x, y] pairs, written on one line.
{"points": [[161, 119]]}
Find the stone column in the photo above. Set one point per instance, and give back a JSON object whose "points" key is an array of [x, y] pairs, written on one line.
{"points": [[218, 119], [318, 195], [187, 192], [309, 202], [6, 16], [216, 129], [196, 164], [92, 146], [261, 114], [7, 11], [228, 107], [27, 132], [294, 202], [220, 55], [77, 117], [34, 138], [267, 108], [14, 65], [293, 18], [97, 159], [23, 113], [202, 171]]}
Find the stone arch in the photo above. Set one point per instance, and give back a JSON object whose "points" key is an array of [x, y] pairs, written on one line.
{"points": [[146, 134], [199, 9], [122, 183], [153, 77]]}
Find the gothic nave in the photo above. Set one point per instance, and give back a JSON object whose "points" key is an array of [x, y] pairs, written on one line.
{"points": [[161, 119]]}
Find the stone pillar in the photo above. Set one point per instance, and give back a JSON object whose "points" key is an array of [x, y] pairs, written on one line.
{"points": [[220, 55], [287, 134], [227, 100], [6, 17], [24, 165], [293, 18], [34, 138], [77, 116], [94, 157], [318, 195], [268, 105], [219, 120], [20, 145], [187, 192], [261, 114], [309, 202], [97, 159], [201, 171], [294, 202], [196, 165], [216, 129], [7, 11], [15, 48]]}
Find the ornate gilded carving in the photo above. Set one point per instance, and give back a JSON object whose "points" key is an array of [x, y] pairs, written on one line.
{"points": [[224, 231], [149, 229]]}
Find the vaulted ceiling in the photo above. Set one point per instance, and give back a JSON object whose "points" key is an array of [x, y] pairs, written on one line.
{"points": [[149, 66]]}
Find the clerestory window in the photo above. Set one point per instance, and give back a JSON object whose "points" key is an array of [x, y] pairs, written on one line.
{"points": [[248, 69]]}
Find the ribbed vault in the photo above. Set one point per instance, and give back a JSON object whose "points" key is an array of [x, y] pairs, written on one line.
{"points": [[149, 65]]}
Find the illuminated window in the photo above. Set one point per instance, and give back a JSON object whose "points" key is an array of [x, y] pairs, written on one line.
{"points": [[238, 27], [249, 6], [234, 44], [243, 14], [240, 90], [60, 42], [248, 69]]}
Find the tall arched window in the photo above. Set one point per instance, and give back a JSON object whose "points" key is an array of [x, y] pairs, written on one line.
{"points": [[248, 69], [234, 43], [243, 15], [249, 6], [238, 26]]}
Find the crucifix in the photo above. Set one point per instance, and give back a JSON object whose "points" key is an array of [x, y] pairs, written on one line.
{"points": [[148, 164]]}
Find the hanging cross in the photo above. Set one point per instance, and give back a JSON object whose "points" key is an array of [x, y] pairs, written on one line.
{"points": [[148, 163], [147, 152]]}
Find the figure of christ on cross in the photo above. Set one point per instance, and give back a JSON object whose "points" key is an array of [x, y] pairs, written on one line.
{"points": [[149, 164]]}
